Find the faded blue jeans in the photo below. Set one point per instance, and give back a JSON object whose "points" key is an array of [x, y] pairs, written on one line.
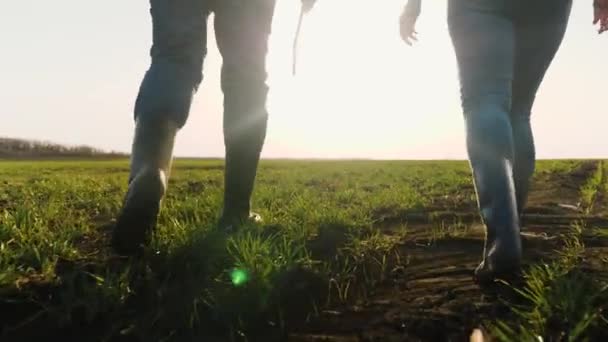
{"points": [[503, 49], [242, 29]]}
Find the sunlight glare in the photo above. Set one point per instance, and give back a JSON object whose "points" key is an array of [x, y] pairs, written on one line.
{"points": [[358, 86]]}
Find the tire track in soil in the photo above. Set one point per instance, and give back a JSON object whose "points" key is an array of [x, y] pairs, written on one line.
{"points": [[436, 299]]}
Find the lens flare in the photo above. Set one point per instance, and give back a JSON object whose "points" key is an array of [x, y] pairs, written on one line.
{"points": [[239, 277]]}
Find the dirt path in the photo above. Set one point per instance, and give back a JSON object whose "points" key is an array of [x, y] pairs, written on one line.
{"points": [[436, 299]]}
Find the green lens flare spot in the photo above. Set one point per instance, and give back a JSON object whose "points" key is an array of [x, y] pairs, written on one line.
{"points": [[239, 277]]}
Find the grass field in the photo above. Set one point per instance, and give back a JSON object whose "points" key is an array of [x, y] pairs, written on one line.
{"points": [[348, 251]]}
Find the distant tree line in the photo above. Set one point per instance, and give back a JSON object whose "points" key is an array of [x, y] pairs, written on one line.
{"points": [[22, 148]]}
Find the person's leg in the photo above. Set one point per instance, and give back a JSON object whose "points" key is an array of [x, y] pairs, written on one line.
{"points": [[539, 31], [242, 28], [161, 108], [483, 39]]}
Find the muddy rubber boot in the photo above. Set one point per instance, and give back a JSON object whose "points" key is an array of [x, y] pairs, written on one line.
{"points": [[239, 178], [150, 167], [497, 203]]}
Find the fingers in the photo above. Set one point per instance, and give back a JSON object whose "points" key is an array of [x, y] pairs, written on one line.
{"points": [[410, 39], [409, 35], [603, 20], [414, 36], [600, 14], [407, 28]]}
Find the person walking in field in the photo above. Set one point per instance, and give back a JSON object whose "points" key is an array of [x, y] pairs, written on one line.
{"points": [[242, 28], [503, 49]]}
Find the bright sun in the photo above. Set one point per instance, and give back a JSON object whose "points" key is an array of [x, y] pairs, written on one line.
{"points": [[358, 87]]}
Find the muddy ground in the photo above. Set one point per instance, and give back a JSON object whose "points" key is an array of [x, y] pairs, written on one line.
{"points": [[435, 298]]}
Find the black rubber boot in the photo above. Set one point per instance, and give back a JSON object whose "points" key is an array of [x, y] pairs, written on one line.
{"points": [[239, 178], [497, 203], [150, 167]]}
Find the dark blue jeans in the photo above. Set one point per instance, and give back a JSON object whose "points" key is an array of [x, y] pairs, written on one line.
{"points": [[503, 49]]}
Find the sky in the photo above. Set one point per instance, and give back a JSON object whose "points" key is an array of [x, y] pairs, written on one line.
{"points": [[70, 71]]}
